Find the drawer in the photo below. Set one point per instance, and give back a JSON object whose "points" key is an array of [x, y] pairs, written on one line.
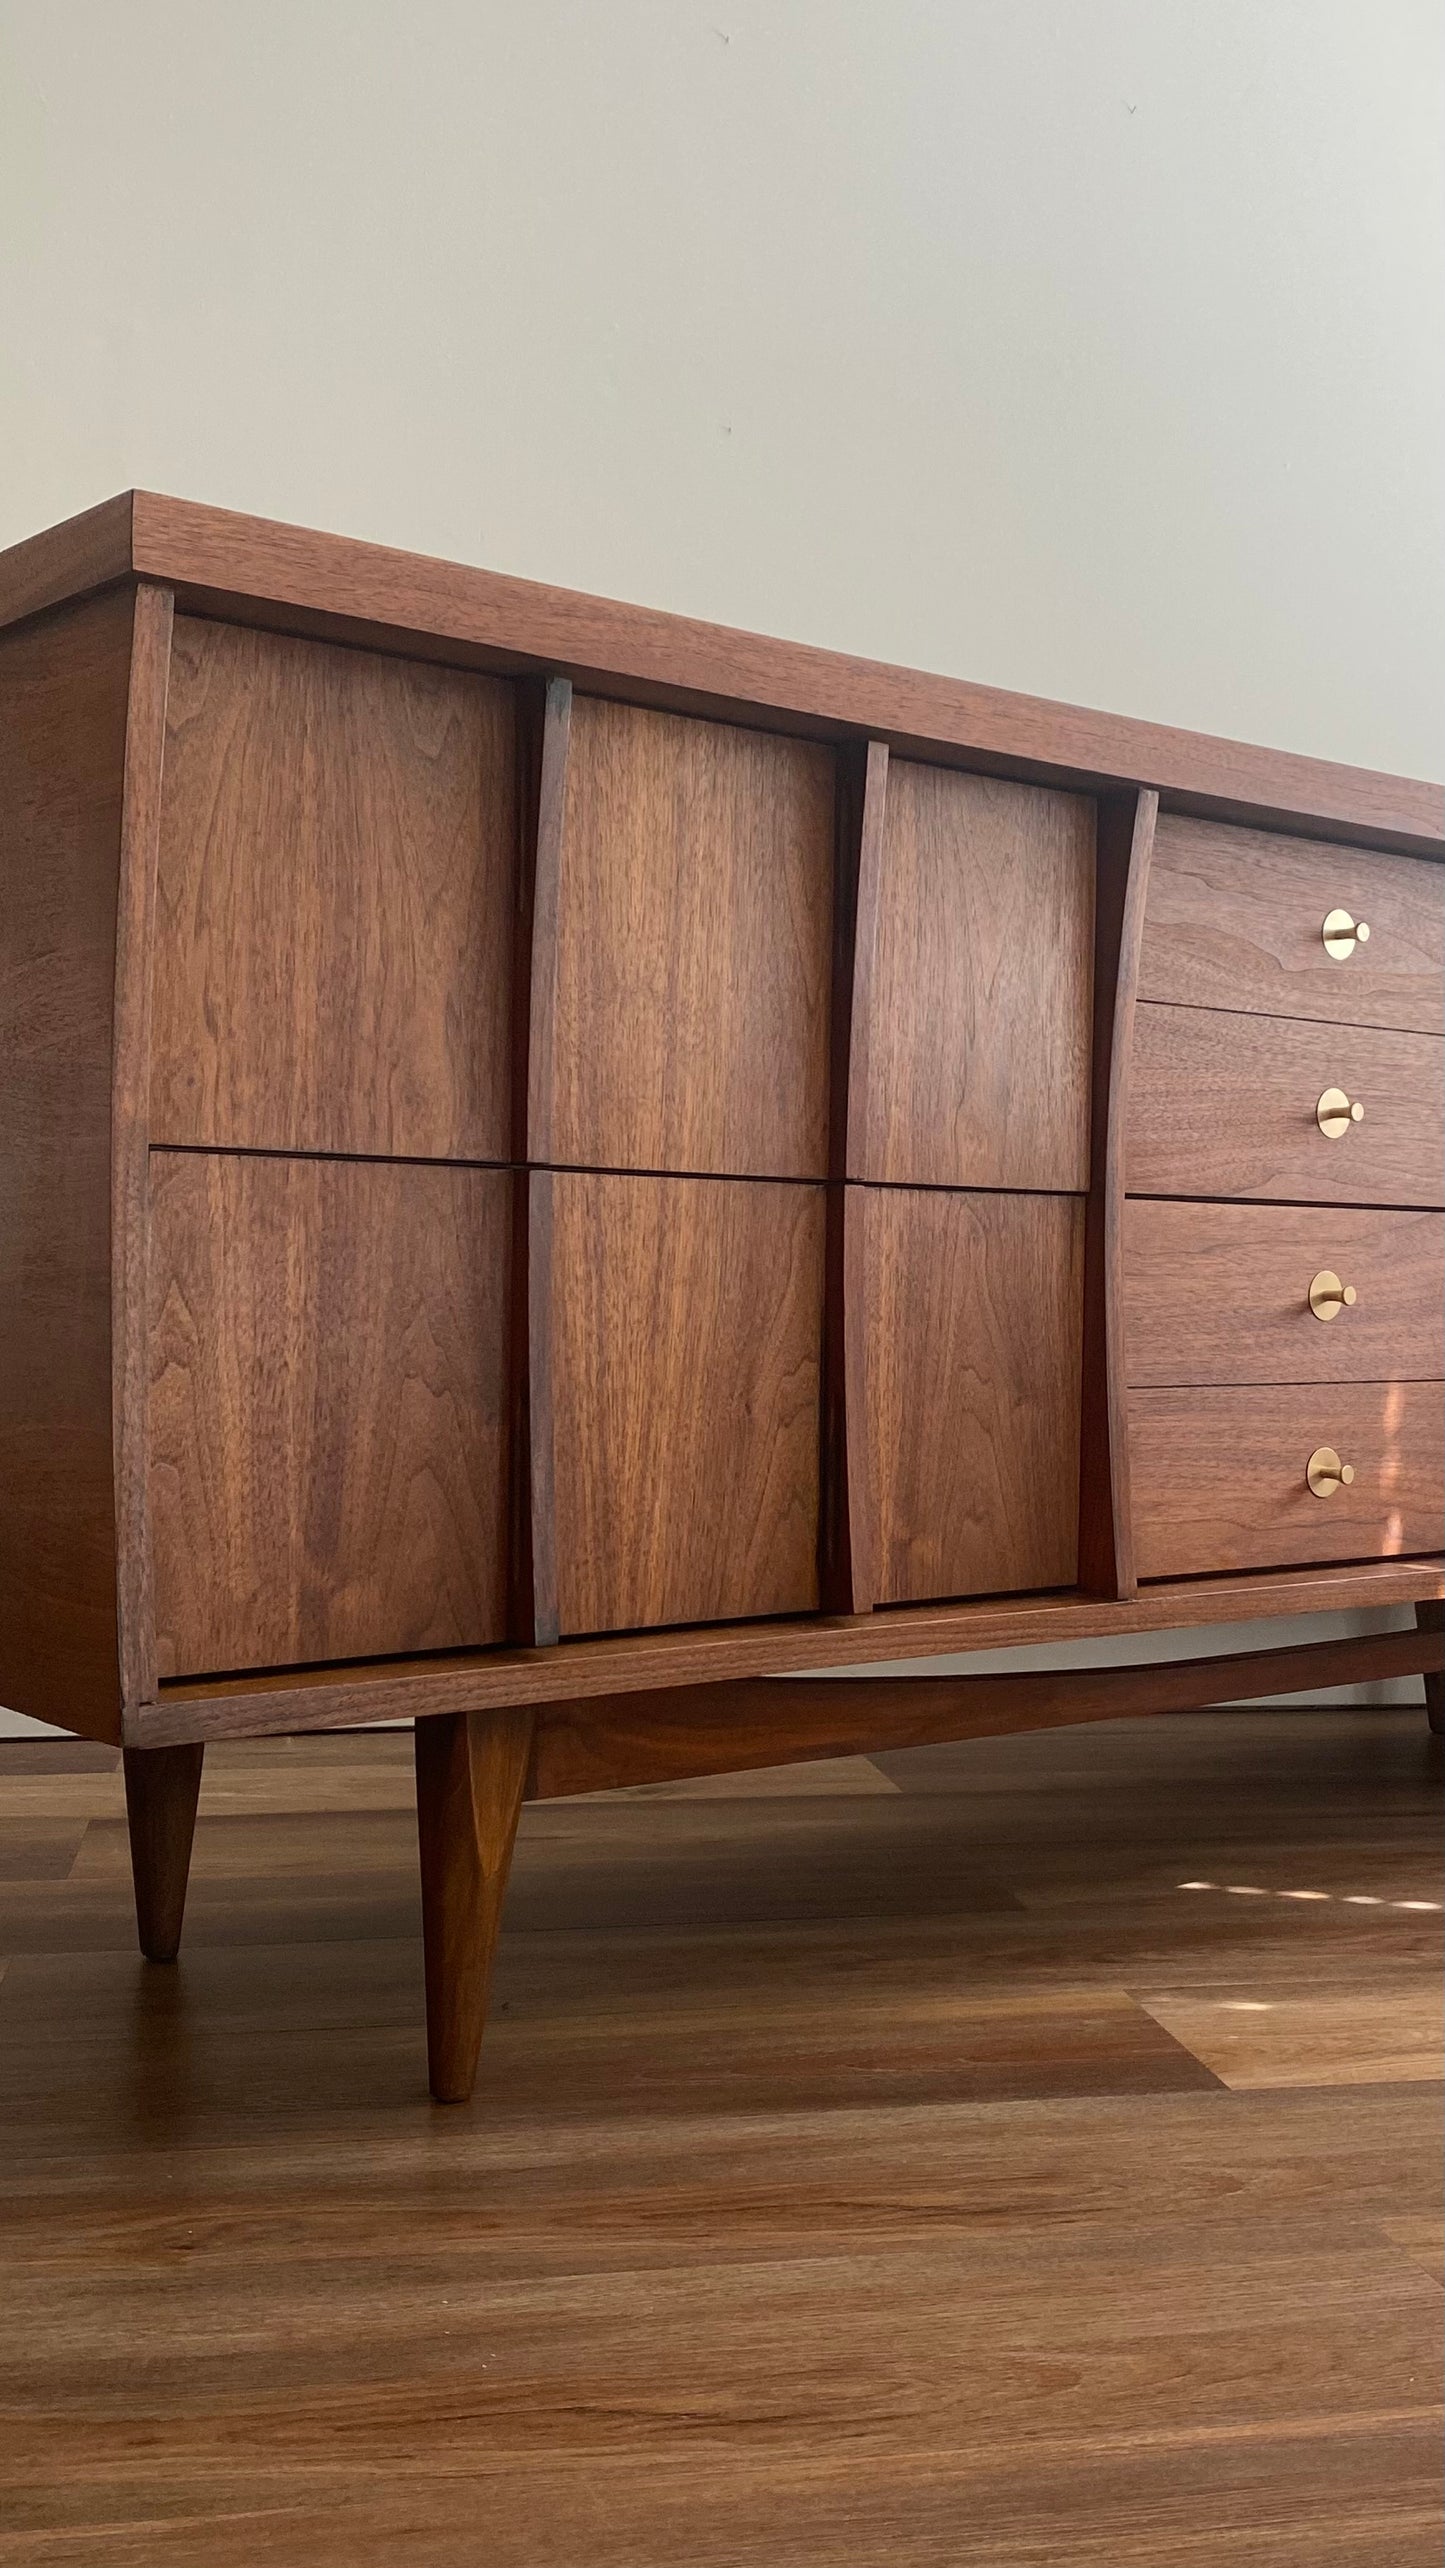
{"points": [[1221, 1293], [1235, 918], [975, 987], [972, 1328], [334, 898], [1225, 1104], [692, 970], [684, 1325], [328, 1409], [1220, 1476]]}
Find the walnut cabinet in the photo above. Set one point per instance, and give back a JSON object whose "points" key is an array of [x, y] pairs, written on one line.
{"points": [[563, 1167]]}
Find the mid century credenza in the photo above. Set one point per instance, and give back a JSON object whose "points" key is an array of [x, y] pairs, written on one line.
{"points": [[562, 1169]]}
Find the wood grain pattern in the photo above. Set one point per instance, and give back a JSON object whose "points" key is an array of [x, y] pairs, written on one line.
{"points": [[66, 562], [337, 878], [1125, 847], [694, 949], [145, 730], [1220, 1293], [972, 1313], [838, 2123], [978, 1052], [66, 685], [1235, 920], [341, 1698], [687, 1731], [1225, 1105], [256, 569], [470, 1773], [328, 1409], [686, 1338], [1219, 1475], [162, 1787]]}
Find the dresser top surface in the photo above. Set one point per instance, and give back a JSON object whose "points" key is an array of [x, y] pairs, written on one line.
{"points": [[292, 578]]}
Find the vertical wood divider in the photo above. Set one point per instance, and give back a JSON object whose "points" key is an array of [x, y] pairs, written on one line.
{"points": [[544, 717], [145, 736], [1106, 1534], [845, 1577], [1430, 1617]]}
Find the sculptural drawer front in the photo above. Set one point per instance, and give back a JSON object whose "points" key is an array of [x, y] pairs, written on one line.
{"points": [[974, 1043], [683, 1344], [970, 1353], [328, 1401], [691, 953], [336, 881]]}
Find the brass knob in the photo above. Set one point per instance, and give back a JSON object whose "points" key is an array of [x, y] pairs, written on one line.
{"points": [[1326, 1473], [1342, 935], [1336, 1112], [1328, 1296]]}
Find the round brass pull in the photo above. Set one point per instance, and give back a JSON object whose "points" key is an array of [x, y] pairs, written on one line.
{"points": [[1326, 1473], [1336, 1112], [1342, 934], [1328, 1296]]}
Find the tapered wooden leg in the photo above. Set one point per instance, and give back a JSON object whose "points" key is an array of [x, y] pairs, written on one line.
{"points": [[471, 1773], [1430, 1617], [162, 1786]]}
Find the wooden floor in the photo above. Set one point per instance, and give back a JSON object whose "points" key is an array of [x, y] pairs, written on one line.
{"points": [[1024, 2153]]}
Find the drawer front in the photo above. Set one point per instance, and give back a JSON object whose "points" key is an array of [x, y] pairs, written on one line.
{"points": [[685, 1326], [1222, 1293], [1235, 918], [976, 994], [334, 901], [1228, 1105], [972, 1323], [693, 962], [328, 1405], [1220, 1476]]}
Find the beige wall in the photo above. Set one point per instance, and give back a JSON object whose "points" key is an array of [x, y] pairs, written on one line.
{"points": [[1085, 346]]}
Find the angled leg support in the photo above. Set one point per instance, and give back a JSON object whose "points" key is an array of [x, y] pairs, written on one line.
{"points": [[471, 1774]]}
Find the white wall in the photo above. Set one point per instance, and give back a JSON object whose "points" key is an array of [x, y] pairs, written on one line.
{"points": [[1086, 346]]}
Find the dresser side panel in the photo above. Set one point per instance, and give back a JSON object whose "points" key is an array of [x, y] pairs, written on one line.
{"points": [[64, 684]]}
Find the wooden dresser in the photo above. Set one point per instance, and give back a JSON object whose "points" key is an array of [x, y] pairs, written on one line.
{"points": [[562, 1168]]}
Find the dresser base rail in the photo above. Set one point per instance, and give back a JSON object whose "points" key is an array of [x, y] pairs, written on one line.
{"points": [[474, 1769], [673, 1733]]}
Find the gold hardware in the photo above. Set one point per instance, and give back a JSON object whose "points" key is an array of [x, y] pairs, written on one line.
{"points": [[1328, 1296], [1341, 935], [1326, 1473], [1336, 1112]]}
